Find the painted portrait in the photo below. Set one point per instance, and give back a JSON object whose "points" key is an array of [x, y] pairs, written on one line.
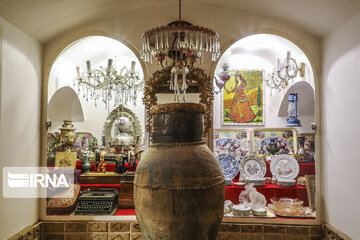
{"points": [[243, 100]]}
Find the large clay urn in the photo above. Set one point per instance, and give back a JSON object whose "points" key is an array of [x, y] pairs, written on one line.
{"points": [[179, 188]]}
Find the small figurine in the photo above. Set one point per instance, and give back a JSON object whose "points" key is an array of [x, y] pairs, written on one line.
{"points": [[252, 198], [85, 155], [102, 163], [228, 205]]}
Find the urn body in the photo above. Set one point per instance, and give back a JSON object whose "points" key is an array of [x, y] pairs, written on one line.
{"points": [[179, 188]]}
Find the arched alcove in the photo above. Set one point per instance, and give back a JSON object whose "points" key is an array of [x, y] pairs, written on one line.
{"points": [[97, 49], [305, 100], [259, 52], [65, 105], [235, 116]]}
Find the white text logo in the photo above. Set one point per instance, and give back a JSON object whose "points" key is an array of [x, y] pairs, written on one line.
{"points": [[38, 182]]}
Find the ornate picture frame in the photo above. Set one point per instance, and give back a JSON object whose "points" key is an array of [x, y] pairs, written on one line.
{"points": [[198, 82], [242, 98], [122, 111]]}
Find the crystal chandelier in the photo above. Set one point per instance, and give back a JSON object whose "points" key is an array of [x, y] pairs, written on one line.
{"points": [[178, 46], [285, 71], [106, 84]]}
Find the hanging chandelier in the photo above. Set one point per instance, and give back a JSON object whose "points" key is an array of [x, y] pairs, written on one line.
{"points": [[108, 85], [285, 71], [178, 46]]}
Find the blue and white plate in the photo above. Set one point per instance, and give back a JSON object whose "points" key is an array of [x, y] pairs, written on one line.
{"points": [[228, 165]]}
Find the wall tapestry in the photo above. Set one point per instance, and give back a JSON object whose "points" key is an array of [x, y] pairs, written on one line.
{"points": [[232, 142], [243, 99]]}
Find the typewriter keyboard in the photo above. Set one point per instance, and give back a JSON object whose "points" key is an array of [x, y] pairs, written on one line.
{"points": [[94, 206]]}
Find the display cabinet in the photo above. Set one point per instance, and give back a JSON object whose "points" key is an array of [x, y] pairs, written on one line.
{"points": [[271, 164]]}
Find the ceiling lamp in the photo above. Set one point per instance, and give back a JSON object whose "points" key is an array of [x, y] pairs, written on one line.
{"points": [[109, 84], [285, 71], [178, 46]]}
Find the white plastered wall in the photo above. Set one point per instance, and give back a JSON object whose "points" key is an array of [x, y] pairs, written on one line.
{"points": [[340, 123], [19, 120]]}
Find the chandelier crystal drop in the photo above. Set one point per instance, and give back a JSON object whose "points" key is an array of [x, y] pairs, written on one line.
{"points": [[108, 85], [178, 46], [284, 72]]}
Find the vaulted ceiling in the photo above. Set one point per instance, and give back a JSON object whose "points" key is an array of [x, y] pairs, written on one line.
{"points": [[44, 20]]}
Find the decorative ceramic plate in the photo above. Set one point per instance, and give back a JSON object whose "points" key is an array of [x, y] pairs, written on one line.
{"points": [[228, 165], [252, 167], [239, 183], [284, 166], [269, 214]]}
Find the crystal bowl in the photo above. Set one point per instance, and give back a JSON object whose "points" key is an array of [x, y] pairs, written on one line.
{"points": [[288, 206], [286, 202]]}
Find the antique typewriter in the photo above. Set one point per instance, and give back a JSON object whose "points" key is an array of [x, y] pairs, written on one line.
{"points": [[97, 201]]}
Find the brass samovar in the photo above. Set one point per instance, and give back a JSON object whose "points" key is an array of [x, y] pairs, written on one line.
{"points": [[66, 138]]}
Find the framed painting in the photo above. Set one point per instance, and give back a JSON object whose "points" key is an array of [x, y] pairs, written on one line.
{"points": [[65, 159], [243, 98], [232, 141], [284, 138]]}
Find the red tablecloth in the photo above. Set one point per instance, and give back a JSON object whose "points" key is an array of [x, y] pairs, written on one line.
{"points": [[110, 167], [269, 190], [126, 212], [231, 192]]}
